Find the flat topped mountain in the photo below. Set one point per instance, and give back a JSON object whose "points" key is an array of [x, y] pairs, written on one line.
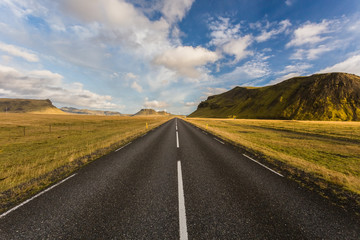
{"points": [[89, 112], [28, 106], [329, 96], [146, 112]]}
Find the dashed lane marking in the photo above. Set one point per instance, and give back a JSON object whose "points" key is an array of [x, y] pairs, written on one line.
{"points": [[177, 139], [182, 212]]}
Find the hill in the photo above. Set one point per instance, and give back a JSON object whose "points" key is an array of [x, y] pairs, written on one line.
{"points": [[28, 106], [147, 112], [89, 112], [330, 96]]}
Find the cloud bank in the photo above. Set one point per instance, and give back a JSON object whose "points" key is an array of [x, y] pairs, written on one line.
{"points": [[43, 84]]}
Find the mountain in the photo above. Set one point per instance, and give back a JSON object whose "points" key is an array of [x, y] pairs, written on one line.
{"points": [[89, 112], [163, 113], [147, 112], [28, 106], [330, 96]]}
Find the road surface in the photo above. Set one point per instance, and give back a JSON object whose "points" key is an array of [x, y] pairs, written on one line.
{"points": [[177, 182]]}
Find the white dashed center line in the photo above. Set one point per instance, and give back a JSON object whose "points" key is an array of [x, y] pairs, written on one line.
{"points": [[177, 139], [182, 212]]}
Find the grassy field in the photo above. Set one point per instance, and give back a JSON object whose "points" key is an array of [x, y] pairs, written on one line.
{"points": [[36, 150], [324, 150]]}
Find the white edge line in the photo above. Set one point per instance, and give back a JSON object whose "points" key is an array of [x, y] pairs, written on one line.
{"points": [[122, 147], [219, 141], [205, 132], [177, 139], [37, 195], [263, 165], [182, 212]]}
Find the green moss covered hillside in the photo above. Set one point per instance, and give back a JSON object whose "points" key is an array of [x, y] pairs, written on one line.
{"points": [[329, 96]]}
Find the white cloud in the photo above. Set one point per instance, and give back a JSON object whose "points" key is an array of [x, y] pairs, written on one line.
{"points": [[46, 74], [111, 12], [266, 35], [355, 27], [155, 104], [299, 54], [119, 22], [184, 60], [237, 47], [289, 2], [350, 65], [284, 77], [227, 38], [136, 86], [130, 75], [175, 10], [251, 70], [222, 31], [291, 71], [83, 33], [6, 59], [9, 70], [191, 104], [160, 78], [312, 53], [22, 8], [45, 84], [18, 52], [295, 68], [310, 33], [214, 91]]}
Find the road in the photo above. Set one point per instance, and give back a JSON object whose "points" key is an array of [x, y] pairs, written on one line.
{"points": [[177, 182]]}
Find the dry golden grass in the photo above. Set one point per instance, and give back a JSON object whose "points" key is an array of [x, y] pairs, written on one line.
{"points": [[34, 145], [326, 150]]}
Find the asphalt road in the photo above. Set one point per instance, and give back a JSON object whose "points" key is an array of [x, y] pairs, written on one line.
{"points": [[177, 182]]}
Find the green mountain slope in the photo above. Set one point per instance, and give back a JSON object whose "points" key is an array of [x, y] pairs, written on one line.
{"points": [[28, 106], [330, 96]]}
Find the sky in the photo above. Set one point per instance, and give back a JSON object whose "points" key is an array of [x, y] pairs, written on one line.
{"points": [[125, 55]]}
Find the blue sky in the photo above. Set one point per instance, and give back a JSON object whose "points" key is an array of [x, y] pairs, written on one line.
{"points": [[168, 54]]}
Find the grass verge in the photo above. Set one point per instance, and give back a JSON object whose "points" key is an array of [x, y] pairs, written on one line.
{"points": [[38, 150], [324, 156]]}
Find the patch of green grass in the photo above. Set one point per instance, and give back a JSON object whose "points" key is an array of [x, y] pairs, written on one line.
{"points": [[36, 150]]}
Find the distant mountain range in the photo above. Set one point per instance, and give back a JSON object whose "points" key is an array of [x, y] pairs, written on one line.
{"points": [[147, 112], [28, 106], [330, 96], [46, 107], [89, 112]]}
